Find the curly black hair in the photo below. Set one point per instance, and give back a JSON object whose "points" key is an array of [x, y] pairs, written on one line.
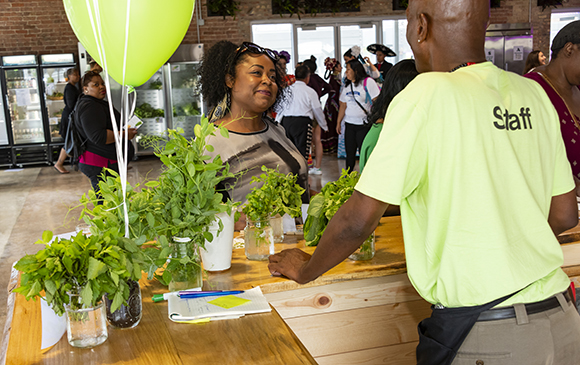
{"points": [[218, 62], [396, 79]]}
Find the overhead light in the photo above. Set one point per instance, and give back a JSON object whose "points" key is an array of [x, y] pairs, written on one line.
{"points": [[308, 26]]}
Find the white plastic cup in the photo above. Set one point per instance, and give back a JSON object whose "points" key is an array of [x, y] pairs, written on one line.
{"points": [[217, 255]]}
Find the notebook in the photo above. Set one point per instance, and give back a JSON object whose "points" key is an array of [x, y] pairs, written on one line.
{"points": [[218, 307]]}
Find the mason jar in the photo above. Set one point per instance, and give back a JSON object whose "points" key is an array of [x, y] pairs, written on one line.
{"points": [[258, 239], [186, 276], [366, 251], [86, 327]]}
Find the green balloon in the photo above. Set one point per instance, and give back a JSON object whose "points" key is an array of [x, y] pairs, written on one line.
{"points": [[155, 30]]}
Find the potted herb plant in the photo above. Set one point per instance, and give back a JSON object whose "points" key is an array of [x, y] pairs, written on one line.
{"points": [[106, 212], [324, 206], [185, 202], [279, 194], [75, 274]]}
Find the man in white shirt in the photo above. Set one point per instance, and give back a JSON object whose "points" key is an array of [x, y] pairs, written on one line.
{"points": [[297, 114]]}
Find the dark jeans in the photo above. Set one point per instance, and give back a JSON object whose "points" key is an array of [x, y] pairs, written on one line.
{"points": [[94, 174], [299, 131], [354, 136]]}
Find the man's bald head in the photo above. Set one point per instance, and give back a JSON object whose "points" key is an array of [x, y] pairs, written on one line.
{"points": [[444, 32]]}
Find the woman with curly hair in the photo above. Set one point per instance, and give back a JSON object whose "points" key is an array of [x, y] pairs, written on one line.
{"points": [[242, 85]]}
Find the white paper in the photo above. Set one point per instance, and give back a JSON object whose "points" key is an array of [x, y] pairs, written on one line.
{"points": [[288, 223], [53, 326], [518, 53], [198, 308], [22, 97], [304, 212], [135, 122]]}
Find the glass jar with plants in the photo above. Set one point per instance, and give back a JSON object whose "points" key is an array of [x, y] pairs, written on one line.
{"points": [[323, 207], [75, 274], [105, 212], [185, 202], [278, 194]]}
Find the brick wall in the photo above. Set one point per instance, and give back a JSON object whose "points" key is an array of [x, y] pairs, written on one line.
{"points": [[41, 26]]}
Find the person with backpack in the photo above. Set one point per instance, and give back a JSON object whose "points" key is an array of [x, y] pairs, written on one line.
{"points": [[355, 102], [93, 122]]}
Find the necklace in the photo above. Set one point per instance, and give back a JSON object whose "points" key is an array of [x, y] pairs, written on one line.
{"points": [[576, 123], [463, 65]]}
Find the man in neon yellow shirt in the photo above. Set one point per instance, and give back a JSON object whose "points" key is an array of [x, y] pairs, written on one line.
{"points": [[473, 156]]}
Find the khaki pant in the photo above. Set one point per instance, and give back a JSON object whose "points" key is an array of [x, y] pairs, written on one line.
{"points": [[551, 337]]}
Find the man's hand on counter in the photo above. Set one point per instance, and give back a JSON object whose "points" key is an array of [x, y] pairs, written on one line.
{"points": [[346, 231]]}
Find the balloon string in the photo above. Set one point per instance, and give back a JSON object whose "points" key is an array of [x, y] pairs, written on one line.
{"points": [[121, 157]]}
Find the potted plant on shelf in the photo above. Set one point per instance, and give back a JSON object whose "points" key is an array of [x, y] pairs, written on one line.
{"points": [[75, 273], [185, 202], [324, 206], [278, 195]]}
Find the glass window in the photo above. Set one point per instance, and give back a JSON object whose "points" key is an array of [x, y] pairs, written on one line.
{"points": [[559, 21], [318, 43], [404, 51], [277, 37], [354, 35]]}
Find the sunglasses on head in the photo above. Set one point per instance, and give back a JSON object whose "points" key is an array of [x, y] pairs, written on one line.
{"points": [[255, 49]]}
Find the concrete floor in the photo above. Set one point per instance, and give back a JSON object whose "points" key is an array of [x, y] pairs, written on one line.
{"points": [[35, 199]]}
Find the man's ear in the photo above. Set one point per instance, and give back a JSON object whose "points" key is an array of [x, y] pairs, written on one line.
{"points": [[422, 27], [569, 49], [229, 81]]}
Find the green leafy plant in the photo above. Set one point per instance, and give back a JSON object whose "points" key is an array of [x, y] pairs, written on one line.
{"points": [[278, 194], [324, 205], [223, 8], [549, 3], [89, 266], [106, 212], [314, 7], [184, 200]]}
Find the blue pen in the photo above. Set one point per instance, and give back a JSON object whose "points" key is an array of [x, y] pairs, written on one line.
{"points": [[191, 295]]}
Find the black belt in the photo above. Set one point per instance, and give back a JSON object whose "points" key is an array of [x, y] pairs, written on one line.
{"points": [[531, 308]]}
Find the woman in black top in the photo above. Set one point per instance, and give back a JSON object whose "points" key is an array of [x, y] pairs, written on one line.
{"points": [[95, 126], [71, 94]]}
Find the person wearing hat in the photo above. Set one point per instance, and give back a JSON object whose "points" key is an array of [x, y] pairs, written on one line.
{"points": [[473, 156], [382, 51], [561, 79]]}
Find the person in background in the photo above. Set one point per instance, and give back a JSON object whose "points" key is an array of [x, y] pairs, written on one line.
{"points": [[71, 94], [396, 80], [94, 124], [283, 63], [95, 67], [561, 81], [354, 53], [322, 88], [474, 157], [535, 59], [298, 113], [241, 84], [381, 51], [333, 75], [356, 99]]}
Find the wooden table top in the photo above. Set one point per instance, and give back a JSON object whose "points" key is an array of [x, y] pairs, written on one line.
{"points": [[255, 339]]}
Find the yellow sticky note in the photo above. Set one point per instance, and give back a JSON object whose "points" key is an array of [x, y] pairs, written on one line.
{"points": [[229, 301]]}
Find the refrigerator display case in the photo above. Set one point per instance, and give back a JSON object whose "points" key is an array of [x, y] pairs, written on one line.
{"points": [[24, 108], [54, 68], [508, 45], [5, 150], [150, 108], [185, 98]]}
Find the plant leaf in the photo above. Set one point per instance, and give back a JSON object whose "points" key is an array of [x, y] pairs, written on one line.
{"points": [[96, 268], [87, 295], [47, 236]]}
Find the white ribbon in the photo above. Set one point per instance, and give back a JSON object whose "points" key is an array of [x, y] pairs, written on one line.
{"points": [[126, 111]]}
